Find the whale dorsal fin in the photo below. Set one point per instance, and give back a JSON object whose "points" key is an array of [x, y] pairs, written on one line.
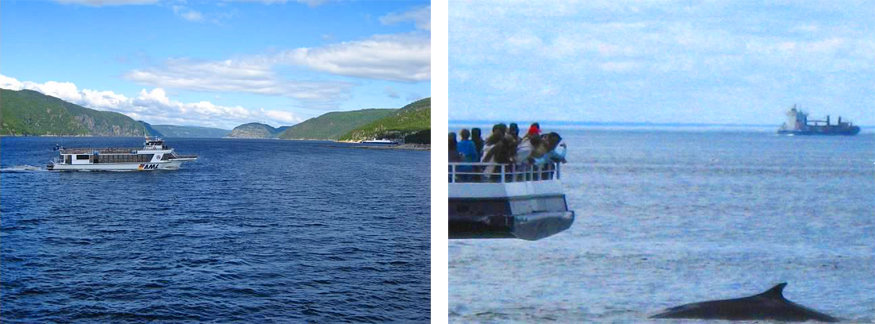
{"points": [[776, 292]]}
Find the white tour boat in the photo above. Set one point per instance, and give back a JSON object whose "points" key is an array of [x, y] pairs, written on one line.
{"points": [[379, 142], [489, 200], [153, 156]]}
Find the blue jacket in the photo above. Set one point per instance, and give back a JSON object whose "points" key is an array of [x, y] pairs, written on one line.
{"points": [[468, 151]]}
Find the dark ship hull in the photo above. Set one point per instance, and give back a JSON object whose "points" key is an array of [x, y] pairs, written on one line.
{"points": [[827, 130], [495, 218]]}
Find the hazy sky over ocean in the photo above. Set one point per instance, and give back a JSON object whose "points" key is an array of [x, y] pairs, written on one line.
{"points": [[736, 62], [219, 63]]}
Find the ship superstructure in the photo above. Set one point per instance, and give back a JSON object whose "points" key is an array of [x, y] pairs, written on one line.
{"points": [[154, 155], [798, 124]]}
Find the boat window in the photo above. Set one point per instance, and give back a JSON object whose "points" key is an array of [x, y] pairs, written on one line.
{"points": [[82, 157], [540, 204]]}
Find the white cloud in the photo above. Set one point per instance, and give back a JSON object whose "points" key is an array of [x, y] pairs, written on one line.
{"points": [[156, 96], [523, 41], [404, 58], [805, 28], [311, 3], [10, 83], [624, 66], [155, 107], [102, 99], [421, 17], [64, 90], [385, 57], [98, 3], [248, 75], [585, 56], [284, 117], [827, 45], [188, 14]]}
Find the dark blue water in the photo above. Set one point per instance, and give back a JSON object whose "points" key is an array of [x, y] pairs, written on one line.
{"points": [[666, 218], [253, 231]]}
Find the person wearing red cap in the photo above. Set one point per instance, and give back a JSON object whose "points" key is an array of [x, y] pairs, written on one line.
{"points": [[534, 130], [528, 143]]}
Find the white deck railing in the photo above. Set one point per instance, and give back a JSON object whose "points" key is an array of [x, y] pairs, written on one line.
{"points": [[468, 172]]}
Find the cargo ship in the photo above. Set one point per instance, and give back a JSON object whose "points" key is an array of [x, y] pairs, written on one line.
{"points": [[798, 124]]}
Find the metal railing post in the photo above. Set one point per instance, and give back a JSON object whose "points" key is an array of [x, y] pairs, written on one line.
{"points": [[452, 173], [557, 171]]}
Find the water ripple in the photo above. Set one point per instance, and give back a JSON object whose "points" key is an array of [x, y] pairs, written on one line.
{"points": [[254, 231]]}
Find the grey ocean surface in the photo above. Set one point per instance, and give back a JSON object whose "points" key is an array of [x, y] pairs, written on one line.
{"points": [[253, 231], [666, 218]]}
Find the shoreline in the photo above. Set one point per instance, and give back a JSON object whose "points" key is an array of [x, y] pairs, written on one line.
{"points": [[409, 147]]}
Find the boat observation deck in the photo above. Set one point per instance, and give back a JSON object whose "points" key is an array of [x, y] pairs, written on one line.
{"points": [[113, 150]]}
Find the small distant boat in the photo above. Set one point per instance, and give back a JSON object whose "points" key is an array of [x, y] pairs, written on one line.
{"points": [[798, 124], [379, 142], [153, 156]]}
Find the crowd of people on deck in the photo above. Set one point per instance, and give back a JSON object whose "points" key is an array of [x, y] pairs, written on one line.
{"points": [[505, 146]]}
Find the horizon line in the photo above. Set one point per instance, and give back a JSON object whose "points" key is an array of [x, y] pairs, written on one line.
{"points": [[625, 123]]}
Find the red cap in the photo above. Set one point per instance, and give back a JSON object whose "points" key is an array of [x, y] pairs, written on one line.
{"points": [[534, 130]]}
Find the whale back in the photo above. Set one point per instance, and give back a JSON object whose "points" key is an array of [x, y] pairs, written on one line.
{"points": [[770, 304]]}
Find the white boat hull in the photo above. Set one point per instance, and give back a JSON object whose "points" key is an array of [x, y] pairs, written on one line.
{"points": [[136, 166]]}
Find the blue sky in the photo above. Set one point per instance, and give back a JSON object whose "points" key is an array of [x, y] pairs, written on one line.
{"points": [[718, 62], [218, 63]]}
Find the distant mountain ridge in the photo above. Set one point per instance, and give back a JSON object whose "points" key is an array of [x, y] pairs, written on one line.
{"points": [[255, 130], [191, 131], [28, 112], [150, 130], [411, 123], [333, 125]]}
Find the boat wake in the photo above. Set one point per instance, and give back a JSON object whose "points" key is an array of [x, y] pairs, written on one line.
{"points": [[22, 168]]}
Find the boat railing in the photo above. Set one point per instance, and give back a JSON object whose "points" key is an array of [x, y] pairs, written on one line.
{"points": [[474, 172], [111, 150], [82, 150]]}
